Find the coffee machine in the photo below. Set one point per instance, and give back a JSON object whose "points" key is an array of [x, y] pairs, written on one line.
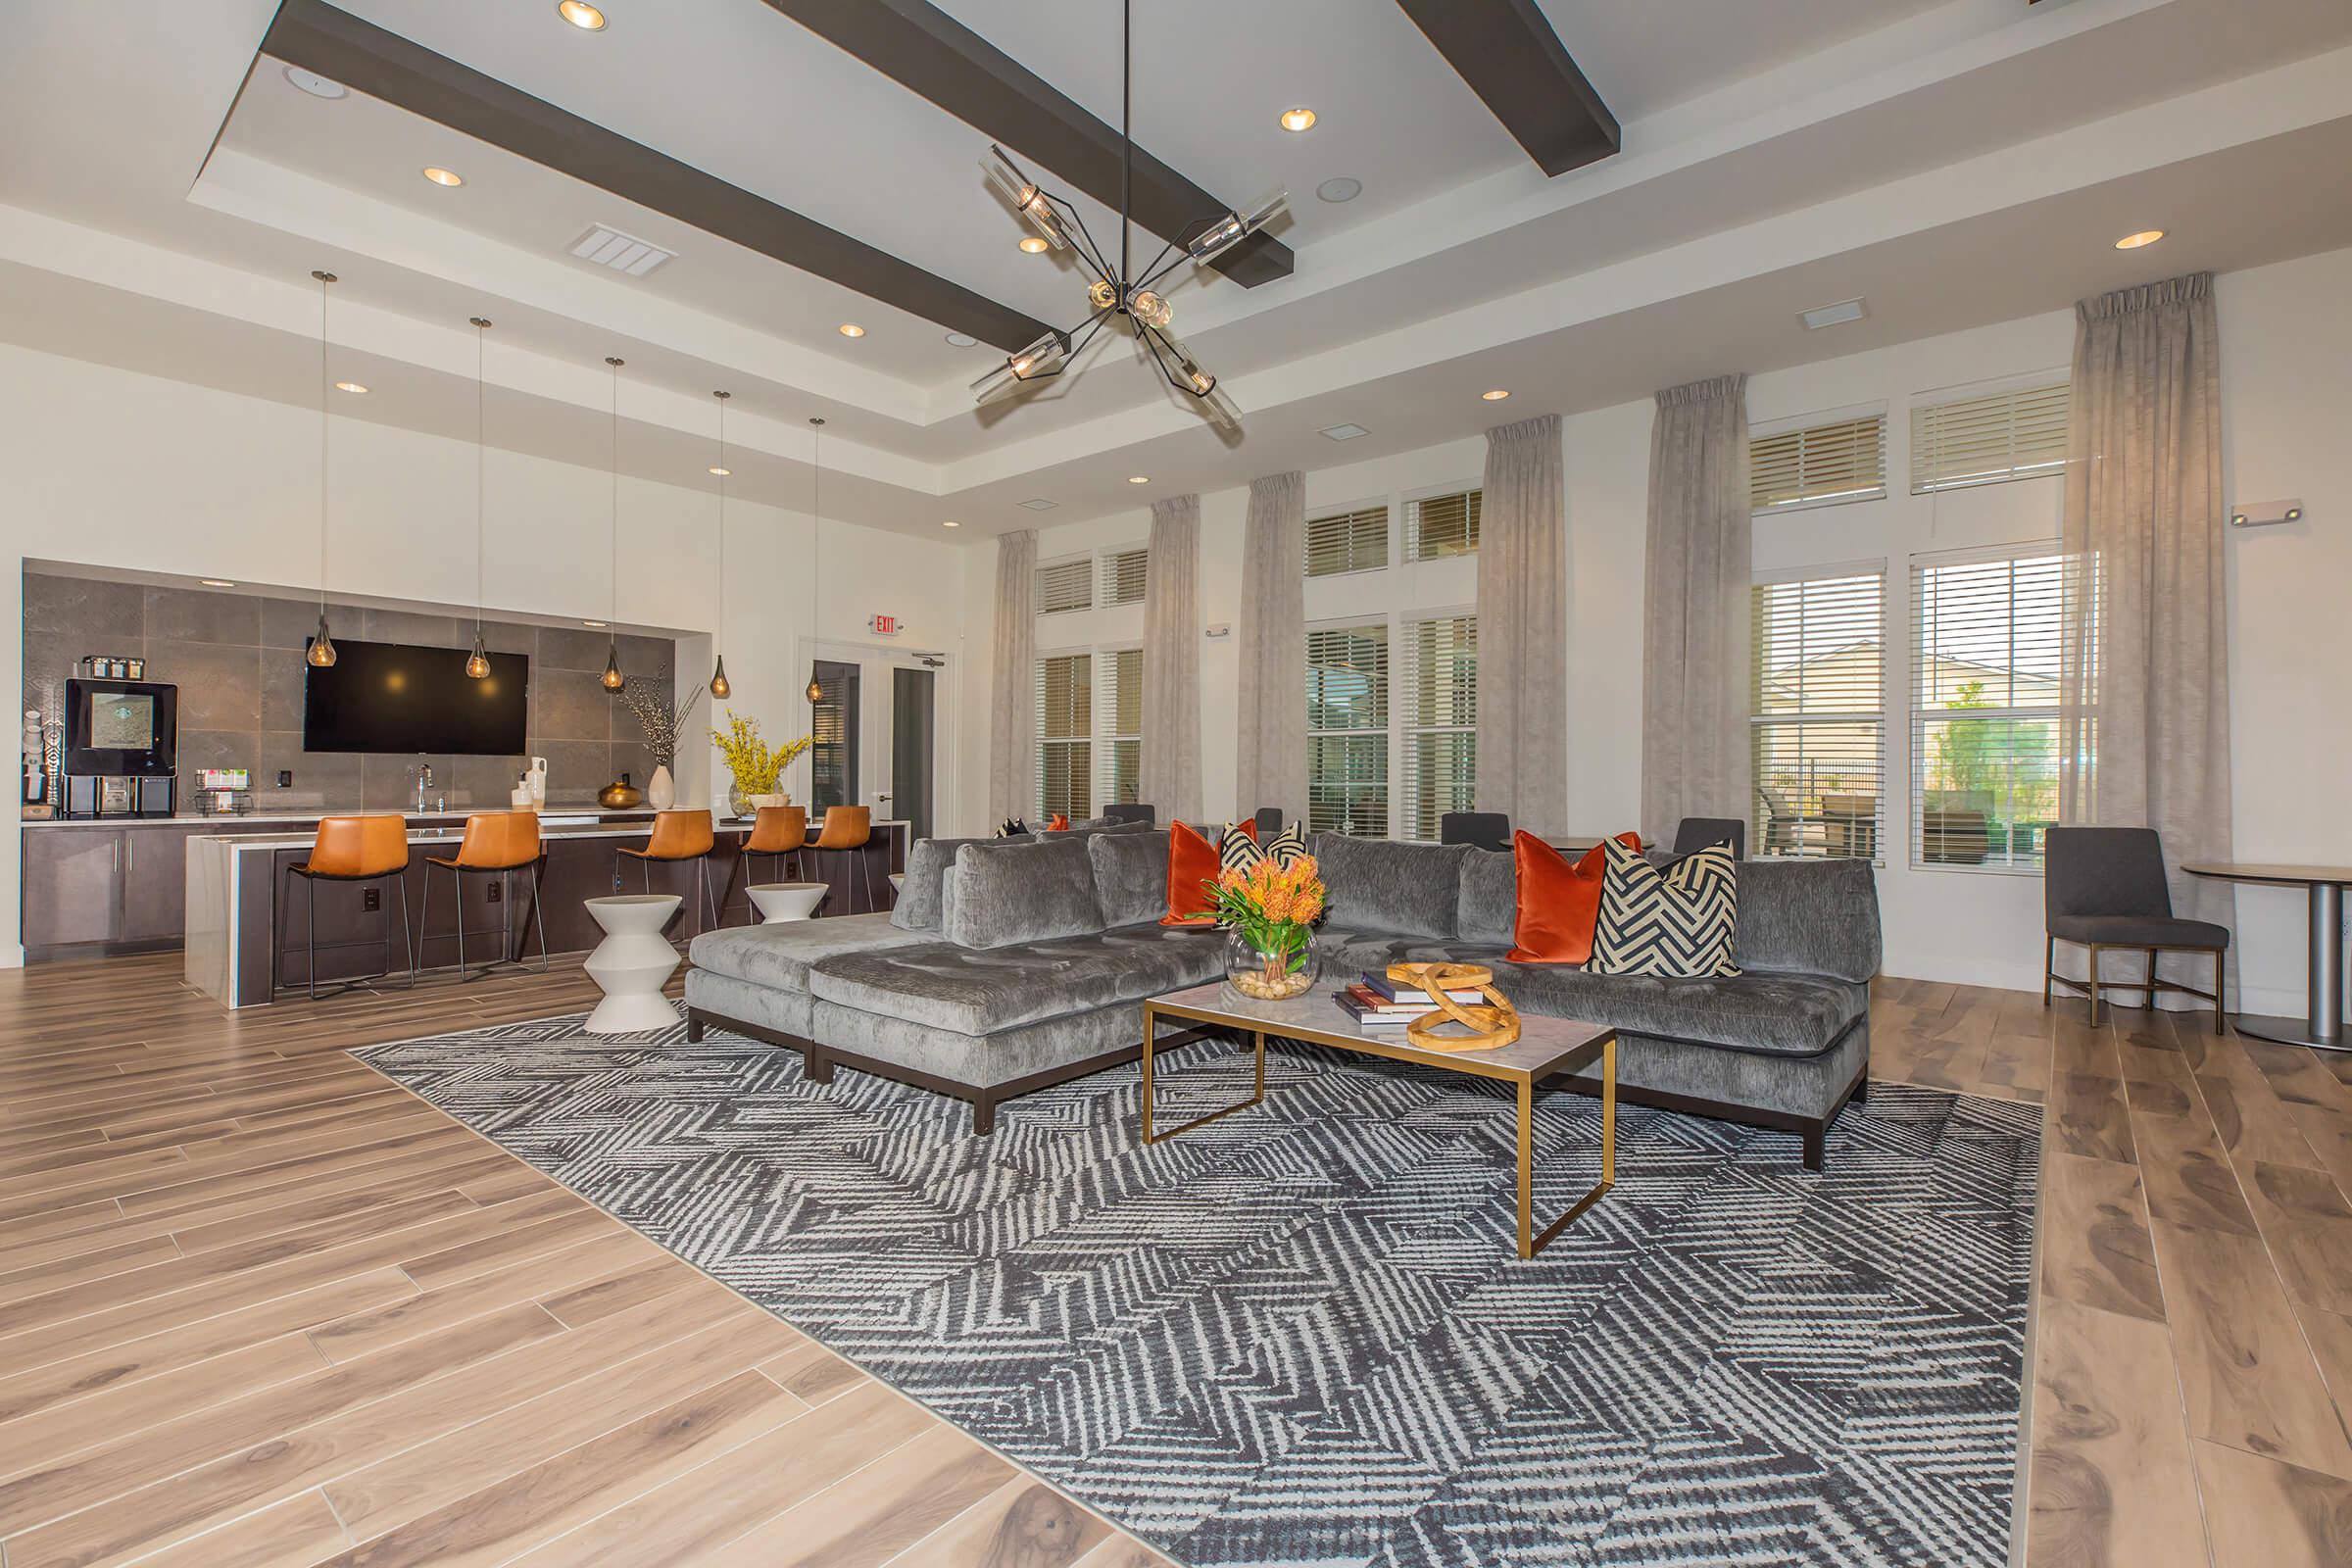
{"points": [[121, 748]]}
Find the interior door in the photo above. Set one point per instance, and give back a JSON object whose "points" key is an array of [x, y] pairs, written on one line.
{"points": [[914, 754], [882, 738]]}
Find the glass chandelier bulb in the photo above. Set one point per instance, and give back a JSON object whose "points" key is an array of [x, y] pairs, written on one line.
{"points": [[1152, 307], [477, 662], [1102, 295], [322, 652], [718, 679], [613, 677]]}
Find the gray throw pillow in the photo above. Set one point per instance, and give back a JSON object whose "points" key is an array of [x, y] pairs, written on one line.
{"points": [[1021, 893], [1411, 889], [1131, 876], [1489, 898], [920, 899]]}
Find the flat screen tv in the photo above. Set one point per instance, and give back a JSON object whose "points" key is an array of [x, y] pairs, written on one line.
{"points": [[396, 697]]}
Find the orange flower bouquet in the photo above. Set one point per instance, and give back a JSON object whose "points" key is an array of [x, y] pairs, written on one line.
{"points": [[1270, 910]]}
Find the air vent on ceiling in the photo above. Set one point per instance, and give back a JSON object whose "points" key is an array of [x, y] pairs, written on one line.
{"points": [[1041, 504], [624, 253], [1344, 432]]}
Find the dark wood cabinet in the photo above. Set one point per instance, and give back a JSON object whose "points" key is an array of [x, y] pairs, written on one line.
{"points": [[70, 880], [155, 884]]}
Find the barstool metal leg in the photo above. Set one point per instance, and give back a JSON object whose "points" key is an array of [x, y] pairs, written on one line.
{"points": [[313, 903], [537, 913], [456, 882], [408, 942], [424, 924]]}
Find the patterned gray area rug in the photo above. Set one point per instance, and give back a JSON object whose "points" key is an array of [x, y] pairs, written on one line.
{"points": [[1300, 1336]]}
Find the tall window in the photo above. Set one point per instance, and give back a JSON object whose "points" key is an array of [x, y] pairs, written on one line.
{"points": [[1984, 718], [1122, 706], [1347, 729], [2018, 433], [1066, 585], [1441, 722], [1123, 576], [1065, 720], [1818, 706], [1829, 461], [1347, 541], [1438, 526]]}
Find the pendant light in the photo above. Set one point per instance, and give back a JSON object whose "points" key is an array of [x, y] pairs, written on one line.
{"points": [[817, 541], [477, 662], [614, 679], [322, 652], [718, 671]]}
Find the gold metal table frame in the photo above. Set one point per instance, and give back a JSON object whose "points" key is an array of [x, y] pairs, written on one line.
{"points": [[1520, 1066]]}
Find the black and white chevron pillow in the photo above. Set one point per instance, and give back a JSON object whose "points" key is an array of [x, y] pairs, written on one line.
{"points": [[1677, 924], [1239, 852], [1013, 827]]}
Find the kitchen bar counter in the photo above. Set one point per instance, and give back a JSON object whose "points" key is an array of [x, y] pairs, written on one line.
{"points": [[247, 926]]}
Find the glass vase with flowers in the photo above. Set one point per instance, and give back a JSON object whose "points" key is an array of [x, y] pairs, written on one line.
{"points": [[1269, 912]]}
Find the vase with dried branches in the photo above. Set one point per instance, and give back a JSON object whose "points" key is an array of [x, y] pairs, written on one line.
{"points": [[661, 714]]}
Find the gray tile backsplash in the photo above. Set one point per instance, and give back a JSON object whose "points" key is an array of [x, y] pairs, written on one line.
{"points": [[237, 662]]}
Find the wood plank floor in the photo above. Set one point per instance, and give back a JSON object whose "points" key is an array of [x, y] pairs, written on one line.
{"points": [[261, 1307], [258, 1305]]}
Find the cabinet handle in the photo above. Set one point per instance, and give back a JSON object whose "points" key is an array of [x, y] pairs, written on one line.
{"points": [[131, 853]]}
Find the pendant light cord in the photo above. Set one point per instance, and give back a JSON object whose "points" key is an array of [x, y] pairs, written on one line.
{"points": [[1126, 132], [612, 561], [722, 519], [324, 421], [481, 483]]}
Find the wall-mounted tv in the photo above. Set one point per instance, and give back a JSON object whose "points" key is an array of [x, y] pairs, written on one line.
{"points": [[396, 697]]}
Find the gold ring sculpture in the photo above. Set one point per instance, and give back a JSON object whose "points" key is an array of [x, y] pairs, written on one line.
{"points": [[1492, 1026]]}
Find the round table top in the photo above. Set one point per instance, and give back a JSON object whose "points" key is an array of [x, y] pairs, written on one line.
{"points": [[2247, 872]]}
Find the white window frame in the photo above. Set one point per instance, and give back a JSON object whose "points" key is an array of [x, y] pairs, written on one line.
{"points": [[1085, 557], [1108, 565], [1878, 568], [1405, 674], [1921, 403], [1045, 743], [1772, 428], [1387, 731], [1390, 551], [1109, 737], [1407, 534]]}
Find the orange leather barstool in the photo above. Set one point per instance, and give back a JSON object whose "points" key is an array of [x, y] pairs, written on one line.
{"points": [[676, 836], [777, 831], [496, 844], [356, 849], [847, 831]]}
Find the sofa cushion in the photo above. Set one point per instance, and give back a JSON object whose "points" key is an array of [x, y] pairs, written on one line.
{"points": [[923, 895], [1348, 955], [979, 991], [1808, 917], [1774, 1014], [1131, 876], [1021, 893], [1489, 901], [780, 955], [1412, 889]]}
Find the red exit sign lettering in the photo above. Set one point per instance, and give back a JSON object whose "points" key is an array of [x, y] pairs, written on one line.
{"points": [[884, 625]]}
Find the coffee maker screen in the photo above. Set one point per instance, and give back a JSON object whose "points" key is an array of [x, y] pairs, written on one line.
{"points": [[121, 720]]}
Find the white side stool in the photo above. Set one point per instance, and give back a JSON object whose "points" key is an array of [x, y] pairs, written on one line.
{"points": [[632, 962], [779, 901]]}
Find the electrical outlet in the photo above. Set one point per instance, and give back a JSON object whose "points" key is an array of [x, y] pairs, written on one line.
{"points": [[494, 892], [285, 778], [371, 899]]}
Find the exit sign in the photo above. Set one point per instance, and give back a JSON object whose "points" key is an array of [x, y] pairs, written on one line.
{"points": [[884, 625]]}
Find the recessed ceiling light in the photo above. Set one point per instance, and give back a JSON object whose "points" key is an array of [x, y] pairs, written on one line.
{"points": [[1836, 315], [215, 582], [950, 522], [443, 176], [851, 330], [597, 624], [1341, 189], [2132, 242], [1040, 504], [1300, 119], [349, 386], [581, 15], [1344, 432], [1139, 478], [721, 472], [314, 84], [962, 340], [1034, 244], [1496, 395]]}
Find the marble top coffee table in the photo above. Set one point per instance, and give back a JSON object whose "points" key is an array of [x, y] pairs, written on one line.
{"points": [[1545, 1046]]}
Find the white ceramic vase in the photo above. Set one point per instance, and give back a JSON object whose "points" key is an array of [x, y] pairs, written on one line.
{"points": [[661, 791]]}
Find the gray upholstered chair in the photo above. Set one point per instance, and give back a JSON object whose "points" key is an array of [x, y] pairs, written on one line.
{"points": [[2104, 888], [1485, 830], [1130, 811], [1694, 833]]}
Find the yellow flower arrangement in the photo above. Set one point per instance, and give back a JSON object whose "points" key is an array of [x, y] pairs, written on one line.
{"points": [[755, 764]]}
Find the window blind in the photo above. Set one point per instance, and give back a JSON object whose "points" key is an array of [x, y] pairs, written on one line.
{"points": [[1347, 541], [1122, 707], [1441, 722], [1818, 465], [1123, 573], [1066, 735], [1347, 730], [1985, 714], [1066, 585], [2018, 434], [1818, 715], [1438, 526]]}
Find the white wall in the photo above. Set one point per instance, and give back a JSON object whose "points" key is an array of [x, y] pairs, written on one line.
{"points": [[2287, 388], [109, 469]]}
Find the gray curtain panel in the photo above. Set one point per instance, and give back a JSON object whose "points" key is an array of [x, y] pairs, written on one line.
{"points": [[1171, 741], [1522, 627], [1012, 690], [2143, 668], [1270, 711], [1694, 632]]}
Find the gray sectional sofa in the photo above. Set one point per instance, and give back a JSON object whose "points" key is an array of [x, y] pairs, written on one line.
{"points": [[1009, 965]]}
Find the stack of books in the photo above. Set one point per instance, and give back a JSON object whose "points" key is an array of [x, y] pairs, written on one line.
{"points": [[1376, 1002]]}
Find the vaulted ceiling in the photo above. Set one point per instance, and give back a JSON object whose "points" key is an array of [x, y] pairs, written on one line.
{"points": [[1577, 199]]}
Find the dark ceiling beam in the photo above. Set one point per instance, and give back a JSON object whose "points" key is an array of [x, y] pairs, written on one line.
{"points": [[930, 53], [1508, 53], [384, 64]]}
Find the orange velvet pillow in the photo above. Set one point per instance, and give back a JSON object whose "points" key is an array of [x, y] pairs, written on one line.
{"points": [[1559, 904], [1193, 863], [1060, 824]]}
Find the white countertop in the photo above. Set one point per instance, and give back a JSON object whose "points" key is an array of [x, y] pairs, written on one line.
{"points": [[552, 825], [552, 815]]}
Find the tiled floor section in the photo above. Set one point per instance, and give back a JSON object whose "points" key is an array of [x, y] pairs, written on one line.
{"points": [[259, 1307]]}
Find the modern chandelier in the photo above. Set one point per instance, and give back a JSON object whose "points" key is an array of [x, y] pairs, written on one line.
{"points": [[1121, 290]]}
